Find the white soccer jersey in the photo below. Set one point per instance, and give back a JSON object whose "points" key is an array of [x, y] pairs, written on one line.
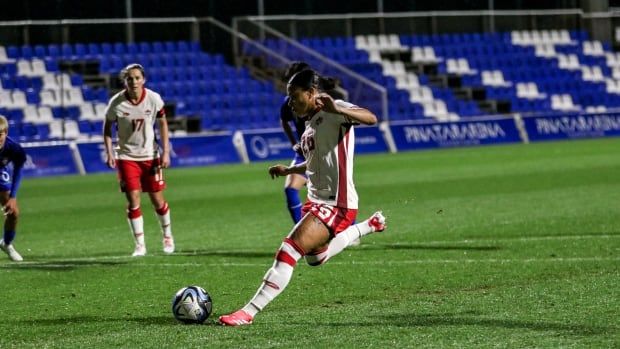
{"points": [[328, 144], [135, 124]]}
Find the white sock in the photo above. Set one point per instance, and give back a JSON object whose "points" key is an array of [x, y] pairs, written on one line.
{"points": [[346, 237], [137, 228], [164, 223], [277, 277]]}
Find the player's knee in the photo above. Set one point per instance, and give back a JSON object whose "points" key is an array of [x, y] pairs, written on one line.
{"points": [[13, 215], [313, 260], [317, 258]]}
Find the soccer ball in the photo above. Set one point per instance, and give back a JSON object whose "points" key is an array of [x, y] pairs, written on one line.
{"points": [[191, 305]]}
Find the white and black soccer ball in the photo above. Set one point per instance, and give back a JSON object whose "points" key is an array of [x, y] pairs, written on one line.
{"points": [[191, 305]]}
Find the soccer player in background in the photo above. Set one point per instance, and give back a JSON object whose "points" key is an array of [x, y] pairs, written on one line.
{"points": [[294, 181], [326, 230], [137, 156], [12, 159]]}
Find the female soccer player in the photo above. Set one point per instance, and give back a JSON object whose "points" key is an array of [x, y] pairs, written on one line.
{"points": [[10, 152], [325, 229], [137, 157], [295, 181]]}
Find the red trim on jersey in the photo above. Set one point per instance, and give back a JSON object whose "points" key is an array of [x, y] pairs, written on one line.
{"points": [[142, 97], [341, 201], [161, 113]]}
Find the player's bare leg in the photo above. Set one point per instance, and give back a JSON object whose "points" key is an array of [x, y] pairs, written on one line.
{"points": [[163, 216]]}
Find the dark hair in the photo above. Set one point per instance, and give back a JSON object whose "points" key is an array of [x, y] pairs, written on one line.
{"points": [[327, 83], [125, 71], [306, 79], [294, 68]]}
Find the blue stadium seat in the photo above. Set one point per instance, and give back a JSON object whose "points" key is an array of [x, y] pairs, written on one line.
{"points": [[94, 50], [40, 51], [66, 50], [13, 52], [119, 48], [132, 48], [144, 47], [81, 50]]}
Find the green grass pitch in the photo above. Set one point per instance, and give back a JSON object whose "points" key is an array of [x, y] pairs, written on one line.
{"points": [[486, 247]]}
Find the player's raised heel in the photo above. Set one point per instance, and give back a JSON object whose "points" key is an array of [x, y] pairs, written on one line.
{"points": [[10, 251], [168, 243], [139, 251], [238, 318], [377, 221]]}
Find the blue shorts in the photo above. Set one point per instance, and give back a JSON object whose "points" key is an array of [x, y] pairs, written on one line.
{"points": [[5, 179]]}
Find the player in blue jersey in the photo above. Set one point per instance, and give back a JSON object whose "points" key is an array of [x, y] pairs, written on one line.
{"points": [[12, 159], [293, 182]]}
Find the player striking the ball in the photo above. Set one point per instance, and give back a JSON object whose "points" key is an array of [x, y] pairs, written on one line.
{"points": [[325, 229]]}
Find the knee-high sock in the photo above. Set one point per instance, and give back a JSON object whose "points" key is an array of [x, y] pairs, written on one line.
{"points": [[277, 277], [293, 203], [136, 223], [163, 215], [8, 236]]}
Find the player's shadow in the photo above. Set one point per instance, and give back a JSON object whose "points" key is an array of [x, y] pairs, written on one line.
{"points": [[61, 265], [236, 254], [433, 247], [431, 320], [140, 320]]}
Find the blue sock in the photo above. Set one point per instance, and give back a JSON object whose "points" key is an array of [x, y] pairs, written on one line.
{"points": [[293, 203], [9, 235]]}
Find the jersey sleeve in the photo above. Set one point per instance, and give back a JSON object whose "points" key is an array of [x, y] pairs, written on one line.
{"points": [[18, 163], [346, 105], [159, 104], [110, 114]]}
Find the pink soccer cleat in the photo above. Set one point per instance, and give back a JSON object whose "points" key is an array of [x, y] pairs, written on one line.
{"points": [[377, 221], [238, 318], [168, 243]]}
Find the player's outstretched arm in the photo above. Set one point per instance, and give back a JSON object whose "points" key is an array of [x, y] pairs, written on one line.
{"points": [[282, 170]]}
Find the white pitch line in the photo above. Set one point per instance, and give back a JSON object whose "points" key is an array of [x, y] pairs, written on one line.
{"points": [[68, 264], [525, 239]]}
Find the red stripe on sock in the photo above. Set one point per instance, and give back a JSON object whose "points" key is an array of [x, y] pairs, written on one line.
{"points": [[162, 210], [284, 257], [295, 246], [134, 212]]}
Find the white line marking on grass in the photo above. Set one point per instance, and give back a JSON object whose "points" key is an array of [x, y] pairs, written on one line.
{"points": [[531, 238], [69, 264]]}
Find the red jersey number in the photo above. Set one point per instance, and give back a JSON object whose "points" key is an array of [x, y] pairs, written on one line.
{"points": [[137, 124]]}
